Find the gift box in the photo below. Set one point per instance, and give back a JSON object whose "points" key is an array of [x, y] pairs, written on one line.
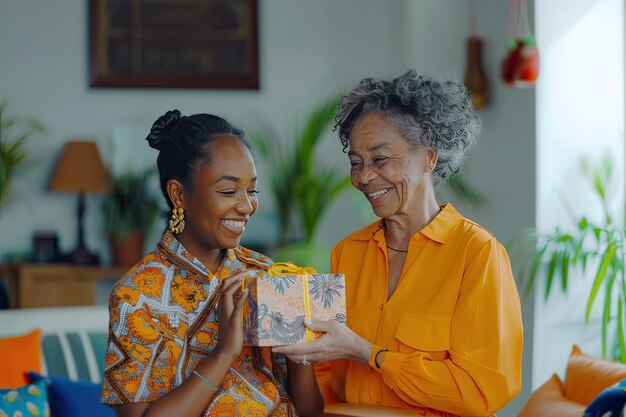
{"points": [[283, 297]]}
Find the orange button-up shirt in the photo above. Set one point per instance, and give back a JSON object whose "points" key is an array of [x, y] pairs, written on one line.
{"points": [[453, 326]]}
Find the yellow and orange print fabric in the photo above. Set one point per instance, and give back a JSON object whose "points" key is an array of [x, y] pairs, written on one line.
{"points": [[164, 321]]}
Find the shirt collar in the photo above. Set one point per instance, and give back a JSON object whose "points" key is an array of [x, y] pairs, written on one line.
{"points": [[368, 231], [175, 248], [442, 225], [438, 229]]}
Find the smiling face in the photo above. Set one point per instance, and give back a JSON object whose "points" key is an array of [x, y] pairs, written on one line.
{"points": [[223, 198], [392, 173]]}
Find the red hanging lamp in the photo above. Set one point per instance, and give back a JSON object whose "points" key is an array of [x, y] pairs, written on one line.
{"points": [[520, 67]]}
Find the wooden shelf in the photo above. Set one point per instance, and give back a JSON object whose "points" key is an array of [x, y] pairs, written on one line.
{"points": [[56, 285]]}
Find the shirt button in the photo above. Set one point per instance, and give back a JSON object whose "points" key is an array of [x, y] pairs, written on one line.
{"points": [[381, 307]]}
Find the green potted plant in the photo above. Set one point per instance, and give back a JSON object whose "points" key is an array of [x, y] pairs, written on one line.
{"points": [[130, 212], [302, 187], [13, 135], [559, 251]]}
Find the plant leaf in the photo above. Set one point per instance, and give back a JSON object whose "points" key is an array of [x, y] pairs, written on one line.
{"points": [[564, 270], [578, 248], [621, 338], [605, 261], [584, 260], [554, 259], [316, 125], [12, 151], [606, 311], [537, 260], [130, 205]]}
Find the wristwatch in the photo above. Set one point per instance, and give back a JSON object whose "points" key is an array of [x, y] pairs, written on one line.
{"points": [[376, 357]]}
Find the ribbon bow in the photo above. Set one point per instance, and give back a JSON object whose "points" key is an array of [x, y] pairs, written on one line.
{"points": [[287, 268]]}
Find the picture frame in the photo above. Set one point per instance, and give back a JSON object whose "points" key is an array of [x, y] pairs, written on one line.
{"points": [[173, 44]]}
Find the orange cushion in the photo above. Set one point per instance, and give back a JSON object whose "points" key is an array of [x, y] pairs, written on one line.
{"points": [[18, 355], [586, 377], [549, 401]]}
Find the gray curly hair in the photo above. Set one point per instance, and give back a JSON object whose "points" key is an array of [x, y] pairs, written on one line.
{"points": [[437, 114]]}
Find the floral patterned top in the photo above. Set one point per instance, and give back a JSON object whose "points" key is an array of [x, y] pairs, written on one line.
{"points": [[163, 321]]}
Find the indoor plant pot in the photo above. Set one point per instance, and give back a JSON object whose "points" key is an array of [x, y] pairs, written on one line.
{"points": [[130, 211]]}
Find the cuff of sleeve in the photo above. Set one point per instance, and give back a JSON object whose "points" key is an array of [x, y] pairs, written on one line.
{"points": [[372, 360], [390, 368]]}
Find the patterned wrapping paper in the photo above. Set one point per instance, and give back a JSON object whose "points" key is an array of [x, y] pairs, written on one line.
{"points": [[275, 310]]}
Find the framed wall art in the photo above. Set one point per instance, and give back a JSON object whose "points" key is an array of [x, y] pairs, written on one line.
{"points": [[174, 43]]}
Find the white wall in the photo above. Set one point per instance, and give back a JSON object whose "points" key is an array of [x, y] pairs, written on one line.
{"points": [[580, 112], [308, 50]]}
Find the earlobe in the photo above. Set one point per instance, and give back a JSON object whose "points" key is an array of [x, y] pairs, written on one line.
{"points": [[431, 160]]}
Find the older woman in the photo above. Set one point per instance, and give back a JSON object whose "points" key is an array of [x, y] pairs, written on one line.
{"points": [[434, 320]]}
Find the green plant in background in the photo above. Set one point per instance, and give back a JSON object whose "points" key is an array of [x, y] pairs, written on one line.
{"points": [[13, 136], [130, 206], [302, 188], [560, 250], [462, 190]]}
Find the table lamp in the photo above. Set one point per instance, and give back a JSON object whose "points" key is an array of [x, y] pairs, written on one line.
{"points": [[80, 170]]}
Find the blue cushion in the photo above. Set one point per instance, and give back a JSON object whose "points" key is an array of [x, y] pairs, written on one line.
{"points": [[610, 403], [28, 400], [74, 398]]}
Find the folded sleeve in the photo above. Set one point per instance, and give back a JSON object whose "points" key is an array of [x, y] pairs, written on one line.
{"points": [[481, 370], [140, 363]]}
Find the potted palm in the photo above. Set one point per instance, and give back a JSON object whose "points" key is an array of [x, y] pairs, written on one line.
{"points": [[130, 212], [13, 136], [558, 252], [302, 188]]}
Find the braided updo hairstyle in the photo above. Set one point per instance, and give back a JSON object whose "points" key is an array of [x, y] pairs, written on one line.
{"points": [[436, 114], [182, 142]]}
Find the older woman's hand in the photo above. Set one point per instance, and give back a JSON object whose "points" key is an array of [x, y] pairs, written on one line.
{"points": [[338, 342]]}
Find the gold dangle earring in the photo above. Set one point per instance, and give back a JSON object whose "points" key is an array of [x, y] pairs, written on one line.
{"points": [[177, 220]]}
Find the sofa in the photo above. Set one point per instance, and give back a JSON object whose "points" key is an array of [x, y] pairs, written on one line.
{"points": [[65, 347], [70, 345], [591, 387]]}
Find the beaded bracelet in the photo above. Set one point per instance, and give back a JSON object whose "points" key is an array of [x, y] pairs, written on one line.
{"points": [[206, 381]]}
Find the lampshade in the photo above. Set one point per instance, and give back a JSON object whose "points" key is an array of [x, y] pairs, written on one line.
{"points": [[80, 169]]}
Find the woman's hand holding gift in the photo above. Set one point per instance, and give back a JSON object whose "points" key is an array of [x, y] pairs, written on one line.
{"points": [[337, 342], [229, 313]]}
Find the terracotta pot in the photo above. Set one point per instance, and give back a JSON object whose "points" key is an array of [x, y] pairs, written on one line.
{"points": [[128, 250]]}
